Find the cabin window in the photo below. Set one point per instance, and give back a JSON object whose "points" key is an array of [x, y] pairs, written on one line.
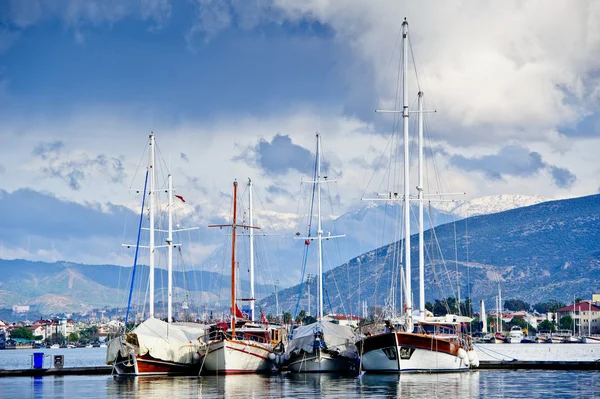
{"points": [[406, 353], [390, 353]]}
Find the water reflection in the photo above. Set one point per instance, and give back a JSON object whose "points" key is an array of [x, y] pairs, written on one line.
{"points": [[481, 384]]}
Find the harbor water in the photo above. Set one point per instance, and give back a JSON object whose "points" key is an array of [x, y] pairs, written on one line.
{"points": [[471, 384]]}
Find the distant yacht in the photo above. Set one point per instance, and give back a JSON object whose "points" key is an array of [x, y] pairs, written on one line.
{"points": [[515, 336]]}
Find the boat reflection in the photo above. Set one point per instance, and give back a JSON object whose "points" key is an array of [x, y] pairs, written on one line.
{"points": [[421, 385]]}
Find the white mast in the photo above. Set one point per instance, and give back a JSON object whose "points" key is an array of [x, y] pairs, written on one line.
{"points": [[421, 226], [170, 253], [500, 304], [319, 236], [319, 230], [483, 317], [407, 295], [151, 194], [251, 234]]}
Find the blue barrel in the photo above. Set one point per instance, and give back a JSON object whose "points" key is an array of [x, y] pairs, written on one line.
{"points": [[38, 360]]}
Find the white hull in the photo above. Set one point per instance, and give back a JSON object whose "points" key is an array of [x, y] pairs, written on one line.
{"points": [[411, 353], [591, 340], [515, 340], [422, 360], [236, 357], [320, 362]]}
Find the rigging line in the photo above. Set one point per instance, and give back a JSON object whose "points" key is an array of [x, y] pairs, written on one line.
{"points": [[337, 242], [430, 255], [137, 248], [468, 266], [272, 227], [332, 273], [414, 61], [456, 263], [443, 261], [310, 217], [392, 55]]}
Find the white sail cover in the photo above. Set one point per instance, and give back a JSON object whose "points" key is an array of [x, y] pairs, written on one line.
{"points": [[340, 338], [176, 342]]}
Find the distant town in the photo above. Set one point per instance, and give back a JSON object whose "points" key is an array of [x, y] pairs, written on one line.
{"points": [[22, 328]]}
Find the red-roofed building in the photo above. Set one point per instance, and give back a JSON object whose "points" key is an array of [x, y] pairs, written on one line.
{"points": [[586, 316]]}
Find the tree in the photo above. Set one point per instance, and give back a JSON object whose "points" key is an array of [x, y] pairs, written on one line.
{"points": [[546, 325], [287, 317], [566, 323], [90, 334], [58, 338], [301, 316], [515, 305], [550, 306], [22, 332], [73, 337]]}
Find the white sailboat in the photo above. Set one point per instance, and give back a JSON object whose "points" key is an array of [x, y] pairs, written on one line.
{"points": [[157, 347], [322, 346], [243, 346], [438, 344]]}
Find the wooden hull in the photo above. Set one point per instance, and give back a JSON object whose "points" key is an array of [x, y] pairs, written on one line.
{"points": [[146, 365], [408, 352], [236, 357], [321, 362]]}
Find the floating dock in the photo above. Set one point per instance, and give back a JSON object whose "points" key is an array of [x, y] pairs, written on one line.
{"points": [[538, 365], [100, 370], [484, 365]]}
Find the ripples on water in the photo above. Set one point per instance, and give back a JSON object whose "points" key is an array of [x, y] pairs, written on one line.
{"points": [[482, 384]]}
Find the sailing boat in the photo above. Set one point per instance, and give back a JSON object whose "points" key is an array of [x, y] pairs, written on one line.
{"points": [[156, 347], [322, 346], [243, 346], [437, 344]]}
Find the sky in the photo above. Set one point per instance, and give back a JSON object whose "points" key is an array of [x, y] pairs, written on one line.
{"points": [[238, 88]]}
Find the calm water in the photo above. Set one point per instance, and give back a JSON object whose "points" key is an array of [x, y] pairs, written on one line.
{"points": [[479, 384]]}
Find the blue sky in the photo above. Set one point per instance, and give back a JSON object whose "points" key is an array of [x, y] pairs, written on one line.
{"points": [[237, 89]]}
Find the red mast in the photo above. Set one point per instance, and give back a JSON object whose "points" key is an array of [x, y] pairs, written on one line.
{"points": [[233, 226]]}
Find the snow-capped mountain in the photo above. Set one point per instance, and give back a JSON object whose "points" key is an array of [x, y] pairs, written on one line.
{"points": [[487, 205]]}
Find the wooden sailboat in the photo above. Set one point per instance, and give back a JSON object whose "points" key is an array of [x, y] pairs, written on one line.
{"points": [[322, 346], [242, 346], [156, 347], [431, 344]]}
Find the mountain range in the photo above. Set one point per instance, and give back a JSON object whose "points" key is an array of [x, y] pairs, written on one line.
{"points": [[536, 252], [550, 250]]}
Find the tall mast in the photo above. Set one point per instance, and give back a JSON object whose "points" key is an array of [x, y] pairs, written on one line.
{"points": [[421, 226], [170, 253], [408, 293], [233, 231], [234, 227], [151, 194], [319, 229], [251, 234]]}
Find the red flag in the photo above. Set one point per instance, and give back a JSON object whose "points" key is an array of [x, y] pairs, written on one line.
{"points": [[180, 197], [238, 312], [263, 318]]}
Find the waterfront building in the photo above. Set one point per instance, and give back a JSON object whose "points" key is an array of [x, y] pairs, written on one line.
{"points": [[586, 316]]}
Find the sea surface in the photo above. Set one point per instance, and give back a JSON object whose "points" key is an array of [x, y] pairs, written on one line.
{"points": [[472, 384]]}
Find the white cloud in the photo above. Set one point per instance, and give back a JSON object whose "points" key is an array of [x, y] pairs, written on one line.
{"points": [[511, 67]]}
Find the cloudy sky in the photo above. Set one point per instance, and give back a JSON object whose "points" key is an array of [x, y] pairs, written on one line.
{"points": [[238, 88]]}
